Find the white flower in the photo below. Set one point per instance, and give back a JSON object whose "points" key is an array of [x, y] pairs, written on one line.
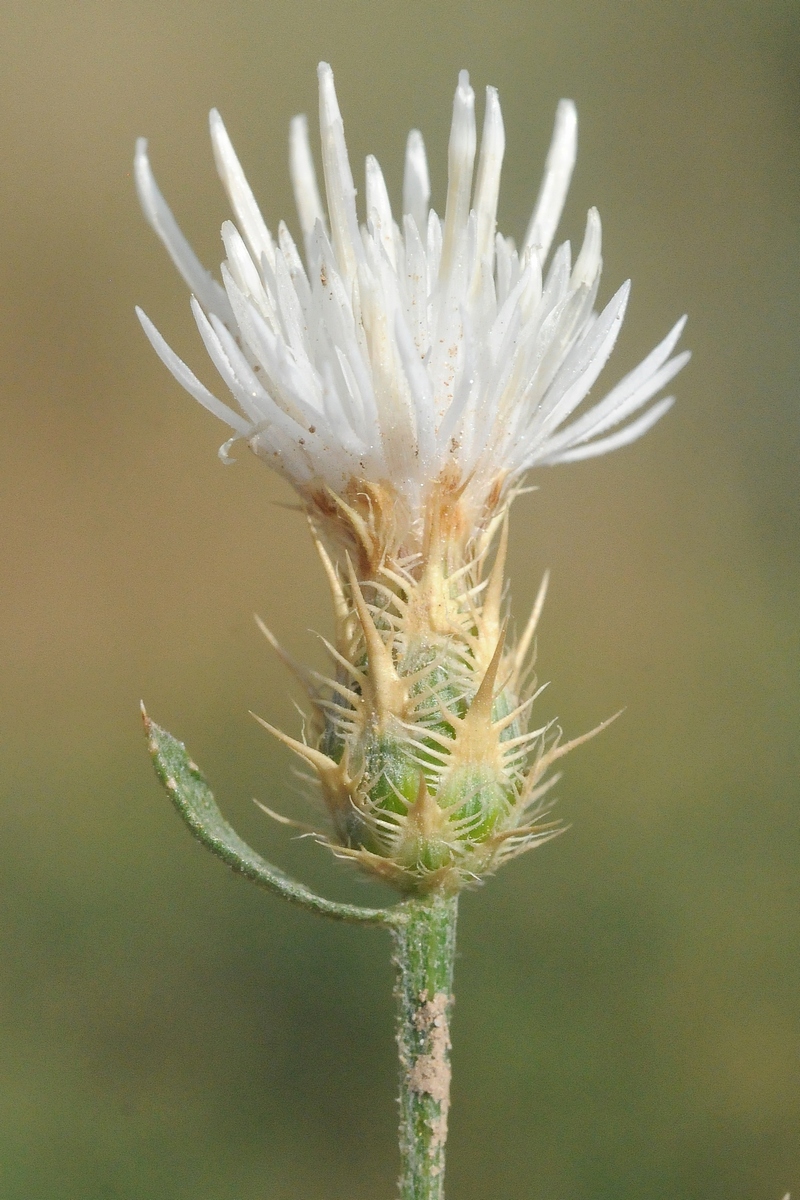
{"points": [[404, 380], [402, 362]]}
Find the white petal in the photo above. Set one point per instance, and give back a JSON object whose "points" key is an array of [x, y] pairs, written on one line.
{"points": [[259, 402], [589, 262], [242, 267], [487, 184], [244, 386], [555, 184], [504, 257], [416, 181], [556, 284], [460, 161], [242, 200], [580, 371], [335, 315], [296, 269], [433, 249], [623, 437], [420, 386], [353, 400], [416, 285], [465, 395], [648, 366], [157, 211], [379, 209], [188, 380], [304, 177], [509, 312], [291, 312], [339, 187], [618, 406], [342, 430]]}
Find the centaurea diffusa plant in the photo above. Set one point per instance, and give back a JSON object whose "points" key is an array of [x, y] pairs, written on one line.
{"points": [[404, 379]]}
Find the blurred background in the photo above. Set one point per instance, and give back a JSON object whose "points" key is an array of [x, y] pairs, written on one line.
{"points": [[628, 1008]]}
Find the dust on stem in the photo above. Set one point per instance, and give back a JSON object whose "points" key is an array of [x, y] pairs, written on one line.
{"points": [[430, 1075]]}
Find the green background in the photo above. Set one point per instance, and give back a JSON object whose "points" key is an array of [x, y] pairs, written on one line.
{"points": [[628, 1008]]}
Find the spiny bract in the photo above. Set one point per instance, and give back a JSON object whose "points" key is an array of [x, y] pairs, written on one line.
{"points": [[421, 739]]}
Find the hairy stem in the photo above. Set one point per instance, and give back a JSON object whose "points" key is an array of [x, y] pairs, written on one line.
{"points": [[424, 932]]}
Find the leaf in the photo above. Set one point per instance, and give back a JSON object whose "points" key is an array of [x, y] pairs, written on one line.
{"points": [[188, 790]]}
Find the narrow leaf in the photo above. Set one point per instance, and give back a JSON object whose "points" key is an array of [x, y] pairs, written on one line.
{"points": [[189, 792]]}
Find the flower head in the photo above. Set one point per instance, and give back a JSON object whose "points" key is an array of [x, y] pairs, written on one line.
{"points": [[410, 365], [404, 378]]}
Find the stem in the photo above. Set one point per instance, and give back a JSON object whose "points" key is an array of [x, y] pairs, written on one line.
{"points": [[424, 932]]}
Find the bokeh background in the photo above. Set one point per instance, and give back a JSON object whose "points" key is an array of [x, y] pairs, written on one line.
{"points": [[628, 1012]]}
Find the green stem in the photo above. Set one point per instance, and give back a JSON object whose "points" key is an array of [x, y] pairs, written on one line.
{"points": [[424, 932]]}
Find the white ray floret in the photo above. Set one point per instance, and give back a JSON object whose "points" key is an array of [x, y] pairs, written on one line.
{"points": [[555, 183], [416, 182], [403, 353], [304, 177]]}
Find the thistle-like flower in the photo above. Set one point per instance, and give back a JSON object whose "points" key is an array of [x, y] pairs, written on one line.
{"points": [[404, 379]]}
